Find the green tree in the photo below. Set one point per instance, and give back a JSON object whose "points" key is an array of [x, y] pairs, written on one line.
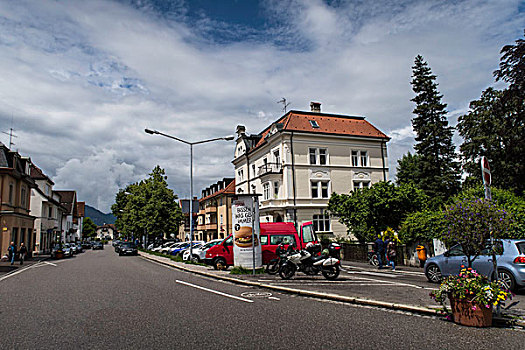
{"points": [[494, 127], [438, 170], [148, 206], [422, 226], [89, 229], [408, 170], [368, 211]]}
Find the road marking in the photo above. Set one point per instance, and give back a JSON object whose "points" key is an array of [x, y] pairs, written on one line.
{"points": [[274, 298], [20, 271], [46, 262], [214, 291], [372, 274], [256, 294], [397, 271]]}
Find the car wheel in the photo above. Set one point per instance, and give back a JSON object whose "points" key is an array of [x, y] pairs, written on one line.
{"points": [[195, 259], [507, 279], [219, 264], [433, 273]]}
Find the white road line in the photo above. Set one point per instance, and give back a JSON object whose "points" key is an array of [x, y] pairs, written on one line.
{"points": [[214, 291], [19, 271], [274, 298], [46, 262], [372, 274], [397, 271]]}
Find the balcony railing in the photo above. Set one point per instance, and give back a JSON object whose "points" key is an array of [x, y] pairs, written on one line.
{"points": [[270, 168]]}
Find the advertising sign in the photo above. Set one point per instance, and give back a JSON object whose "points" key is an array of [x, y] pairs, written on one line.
{"points": [[245, 228]]}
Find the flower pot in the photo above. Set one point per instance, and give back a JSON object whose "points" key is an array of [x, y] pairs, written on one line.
{"points": [[470, 313]]}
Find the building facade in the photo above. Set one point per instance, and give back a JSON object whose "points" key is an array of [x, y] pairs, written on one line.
{"points": [[46, 208], [16, 223], [214, 217], [69, 230], [184, 227], [297, 162], [107, 231]]}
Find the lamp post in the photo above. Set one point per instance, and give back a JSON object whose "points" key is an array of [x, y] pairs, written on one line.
{"points": [[226, 138]]}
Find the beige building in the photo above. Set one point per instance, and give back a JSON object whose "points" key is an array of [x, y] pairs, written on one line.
{"points": [[16, 225], [297, 162], [214, 217]]}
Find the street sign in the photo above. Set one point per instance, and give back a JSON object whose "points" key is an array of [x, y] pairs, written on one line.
{"points": [[485, 171]]}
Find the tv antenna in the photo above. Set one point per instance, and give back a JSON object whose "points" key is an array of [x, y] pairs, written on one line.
{"points": [[285, 105], [11, 135]]}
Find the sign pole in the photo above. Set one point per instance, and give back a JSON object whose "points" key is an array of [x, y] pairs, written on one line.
{"points": [[253, 233]]}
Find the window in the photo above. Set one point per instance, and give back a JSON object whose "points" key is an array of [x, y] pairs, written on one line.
{"points": [[318, 156], [361, 184], [266, 191], [314, 124], [240, 174], [319, 189], [263, 239], [355, 158], [10, 193], [364, 158], [253, 170], [277, 157], [321, 223], [308, 235], [254, 189], [286, 239], [276, 189], [50, 212], [359, 158], [313, 157], [315, 189], [23, 197]]}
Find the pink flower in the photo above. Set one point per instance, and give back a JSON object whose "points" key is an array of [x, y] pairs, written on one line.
{"points": [[474, 308], [487, 306]]}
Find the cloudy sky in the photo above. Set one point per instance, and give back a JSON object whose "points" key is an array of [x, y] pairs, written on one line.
{"points": [[80, 80]]}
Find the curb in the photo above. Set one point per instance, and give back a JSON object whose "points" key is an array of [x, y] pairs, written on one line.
{"points": [[321, 295]]}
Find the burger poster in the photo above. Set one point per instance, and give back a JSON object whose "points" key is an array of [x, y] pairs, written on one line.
{"points": [[245, 228]]}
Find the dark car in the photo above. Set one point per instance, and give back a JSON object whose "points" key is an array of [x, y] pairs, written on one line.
{"points": [[127, 248], [86, 245], [97, 245]]}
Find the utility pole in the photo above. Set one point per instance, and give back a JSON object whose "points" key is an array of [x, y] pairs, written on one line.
{"points": [[11, 135]]}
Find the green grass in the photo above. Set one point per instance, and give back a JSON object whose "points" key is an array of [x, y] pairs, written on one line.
{"points": [[237, 270]]}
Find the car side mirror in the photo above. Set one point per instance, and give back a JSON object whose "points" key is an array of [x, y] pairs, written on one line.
{"points": [[446, 254]]}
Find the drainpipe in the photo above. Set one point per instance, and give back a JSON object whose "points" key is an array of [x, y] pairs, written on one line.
{"points": [[293, 180], [383, 159]]}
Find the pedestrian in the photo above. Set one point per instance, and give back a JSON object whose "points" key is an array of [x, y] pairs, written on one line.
{"points": [[379, 247], [23, 253], [391, 254], [11, 252]]}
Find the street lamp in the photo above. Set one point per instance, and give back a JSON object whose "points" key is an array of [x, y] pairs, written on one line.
{"points": [[226, 138]]}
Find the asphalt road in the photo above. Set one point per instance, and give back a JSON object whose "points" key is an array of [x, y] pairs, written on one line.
{"points": [[98, 300]]}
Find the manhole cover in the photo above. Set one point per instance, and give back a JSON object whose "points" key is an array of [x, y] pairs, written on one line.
{"points": [[256, 294]]}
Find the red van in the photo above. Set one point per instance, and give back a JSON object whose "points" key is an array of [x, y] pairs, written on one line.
{"points": [[272, 233]]}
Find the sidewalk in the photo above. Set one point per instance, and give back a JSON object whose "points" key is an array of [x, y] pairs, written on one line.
{"points": [[6, 267], [346, 288]]}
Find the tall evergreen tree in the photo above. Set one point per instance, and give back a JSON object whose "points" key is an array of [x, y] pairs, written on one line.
{"points": [[438, 168], [408, 170]]}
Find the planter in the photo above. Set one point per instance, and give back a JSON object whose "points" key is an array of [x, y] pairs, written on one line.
{"points": [[463, 313]]}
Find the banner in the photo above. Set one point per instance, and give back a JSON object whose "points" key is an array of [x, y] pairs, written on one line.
{"points": [[245, 228]]}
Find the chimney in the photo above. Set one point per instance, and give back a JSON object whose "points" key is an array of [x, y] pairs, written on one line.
{"points": [[315, 107], [241, 130]]}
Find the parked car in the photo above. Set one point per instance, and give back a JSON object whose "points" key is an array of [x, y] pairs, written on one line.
{"points": [[68, 250], [57, 252], [510, 260], [79, 248], [200, 253], [182, 248], [97, 245], [166, 249], [271, 234], [163, 246], [86, 245], [127, 248], [115, 243]]}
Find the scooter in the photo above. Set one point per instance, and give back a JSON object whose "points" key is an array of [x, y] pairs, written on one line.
{"points": [[327, 263]]}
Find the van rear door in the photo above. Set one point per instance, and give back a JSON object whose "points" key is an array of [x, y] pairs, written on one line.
{"points": [[308, 234]]}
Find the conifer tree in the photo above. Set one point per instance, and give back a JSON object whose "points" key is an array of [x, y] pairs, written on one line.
{"points": [[438, 168]]}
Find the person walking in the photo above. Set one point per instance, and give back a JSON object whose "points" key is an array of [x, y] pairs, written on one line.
{"points": [[391, 254], [11, 251], [379, 247], [23, 253]]}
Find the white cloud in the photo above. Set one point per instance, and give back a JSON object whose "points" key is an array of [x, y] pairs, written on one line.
{"points": [[82, 79]]}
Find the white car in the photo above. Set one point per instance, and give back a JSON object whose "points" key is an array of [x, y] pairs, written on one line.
{"points": [[160, 247], [200, 253], [179, 249]]}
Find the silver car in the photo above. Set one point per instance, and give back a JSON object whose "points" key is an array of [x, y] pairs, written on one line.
{"points": [[510, 259]]}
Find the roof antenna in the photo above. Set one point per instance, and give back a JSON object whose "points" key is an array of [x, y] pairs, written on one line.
{"points": [[285, 105], [11, 135]]}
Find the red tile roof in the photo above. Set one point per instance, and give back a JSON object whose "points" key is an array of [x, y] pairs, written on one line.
{"points": [[328, 124], [230, 189], [38, 174]]}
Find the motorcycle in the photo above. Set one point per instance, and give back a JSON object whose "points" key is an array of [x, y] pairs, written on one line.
{"points": [[275, 264], [307, 262]]}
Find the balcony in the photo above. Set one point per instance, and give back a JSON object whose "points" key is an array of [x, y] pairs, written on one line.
{"points": [[210, 209], [270, 168]]}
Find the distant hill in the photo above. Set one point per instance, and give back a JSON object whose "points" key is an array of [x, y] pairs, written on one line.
{"points": [[98, 217]]}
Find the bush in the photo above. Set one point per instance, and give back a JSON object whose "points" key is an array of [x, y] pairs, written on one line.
{"points": [[238, 270], [423, 226]]}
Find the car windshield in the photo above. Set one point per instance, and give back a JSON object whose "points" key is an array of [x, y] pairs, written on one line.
{"points": [[129, 245]]}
